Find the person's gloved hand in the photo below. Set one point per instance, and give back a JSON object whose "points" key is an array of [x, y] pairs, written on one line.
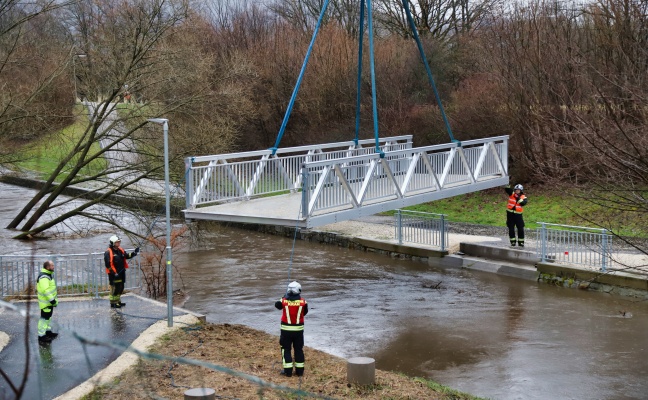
{"points": [[137, 250], [54, 303]]}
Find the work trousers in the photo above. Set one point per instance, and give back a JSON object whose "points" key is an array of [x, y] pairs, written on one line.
{"points": [[289, 340], [45, 321], [116, 290], [515, 220]]}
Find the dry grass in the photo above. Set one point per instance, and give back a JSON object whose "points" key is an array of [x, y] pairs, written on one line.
{"points": [[255, 353]]}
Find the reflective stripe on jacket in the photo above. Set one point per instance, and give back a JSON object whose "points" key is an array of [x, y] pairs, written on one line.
{"points": [[292, 314], [45, 288], [110, 260], [513, 204]]}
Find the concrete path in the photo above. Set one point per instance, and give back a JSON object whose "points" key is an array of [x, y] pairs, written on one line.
{"points": [[66, 363]]}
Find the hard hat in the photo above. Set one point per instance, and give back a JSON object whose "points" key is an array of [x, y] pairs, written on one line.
{"points": [[518, 186], [294, 287], [114, 238]]}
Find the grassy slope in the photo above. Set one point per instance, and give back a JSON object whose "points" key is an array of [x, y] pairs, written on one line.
{"points": [[255, 353], [43, 155]]}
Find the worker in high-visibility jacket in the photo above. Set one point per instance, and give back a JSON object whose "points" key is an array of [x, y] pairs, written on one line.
{"points": [[115, 260], [47, 300], [293, 309], [514, 209]]}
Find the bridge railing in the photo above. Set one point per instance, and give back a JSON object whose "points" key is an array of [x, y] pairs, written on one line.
{"points": [[339, 184], [574, 245], [75, 274], [235, 176]]}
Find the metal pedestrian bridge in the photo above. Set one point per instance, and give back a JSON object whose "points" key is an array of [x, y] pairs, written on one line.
{"points": [[309, 186]]}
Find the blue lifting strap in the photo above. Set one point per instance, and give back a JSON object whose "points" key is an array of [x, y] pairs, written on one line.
{"points": [[360, 40], [299, 79], [427, 69]]}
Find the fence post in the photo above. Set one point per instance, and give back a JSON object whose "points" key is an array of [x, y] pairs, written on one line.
{"points": [[399, 226], [543, 242], [604, 249], [305, 191], [443, 233], [188, 183]]}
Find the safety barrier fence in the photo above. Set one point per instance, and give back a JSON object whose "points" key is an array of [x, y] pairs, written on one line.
{"points": [[574, 245], [422, 228], [75, 274]]}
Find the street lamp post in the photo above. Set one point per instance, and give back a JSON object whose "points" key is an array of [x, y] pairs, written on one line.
{"points": [[165, 125]]}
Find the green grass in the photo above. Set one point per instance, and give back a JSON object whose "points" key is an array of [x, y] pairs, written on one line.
{"points": [[488, 207], [43, 155]]}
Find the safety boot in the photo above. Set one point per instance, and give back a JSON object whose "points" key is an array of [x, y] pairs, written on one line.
{"points": [[115, 305]]}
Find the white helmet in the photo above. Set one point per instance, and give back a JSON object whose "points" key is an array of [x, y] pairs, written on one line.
{"points": [[518, 186], [294, 288], [113, 239]]}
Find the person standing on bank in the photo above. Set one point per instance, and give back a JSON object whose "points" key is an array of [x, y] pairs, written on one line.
{"points": [[294, 308], [47, 300], [514, 209], [115, 259]]}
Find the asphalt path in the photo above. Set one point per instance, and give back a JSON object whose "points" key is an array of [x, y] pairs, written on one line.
{"points": [[65, 363]]}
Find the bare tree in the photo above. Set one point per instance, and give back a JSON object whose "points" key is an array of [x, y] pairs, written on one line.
{"points": [[151, 50], [34, 91], [439, 19]]}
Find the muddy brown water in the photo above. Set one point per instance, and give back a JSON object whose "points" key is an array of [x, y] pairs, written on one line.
{"points": [[485, 334]]}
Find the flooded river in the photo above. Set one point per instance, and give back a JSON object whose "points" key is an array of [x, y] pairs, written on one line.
{"points": [[485, 334]]}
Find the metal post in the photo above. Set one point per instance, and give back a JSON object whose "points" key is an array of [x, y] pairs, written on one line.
{"points": [[604, 249], [305, 192], [188, 182], [399, 226], [169, 271], [543, 242], [443, 233]]}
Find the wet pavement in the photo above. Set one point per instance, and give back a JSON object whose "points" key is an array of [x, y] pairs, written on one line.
{"points": [[65, 363]]}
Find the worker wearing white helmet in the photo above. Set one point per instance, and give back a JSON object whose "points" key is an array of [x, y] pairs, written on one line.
{"points": [[115, 260], [514, 209], [294, 308]]}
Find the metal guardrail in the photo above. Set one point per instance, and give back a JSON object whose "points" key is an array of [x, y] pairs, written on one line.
{"points": [[421, 227], [574, 245], [225, 177], [75, 274]]}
